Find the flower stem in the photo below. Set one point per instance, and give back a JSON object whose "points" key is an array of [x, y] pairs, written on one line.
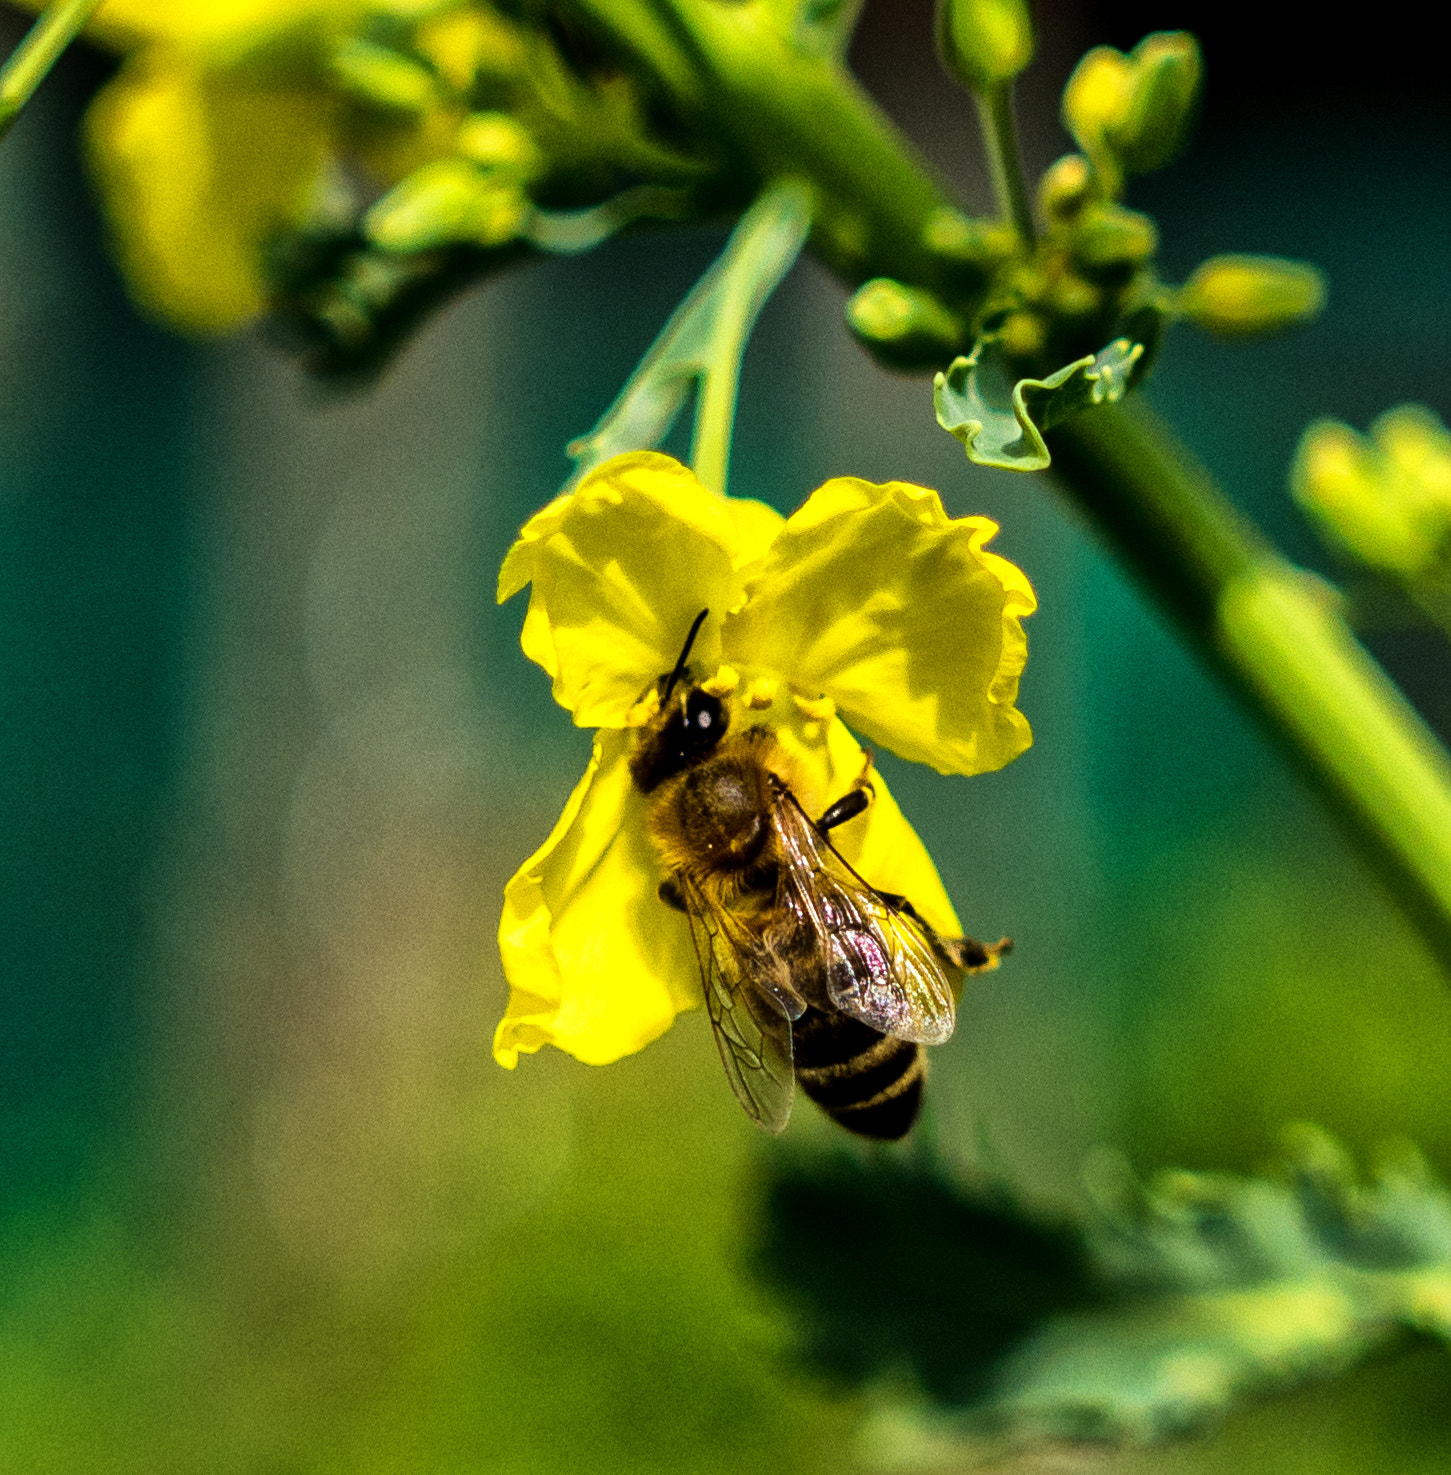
{"points": [[1000, 138], [1275, 634], [703, 342], [29, 63]]}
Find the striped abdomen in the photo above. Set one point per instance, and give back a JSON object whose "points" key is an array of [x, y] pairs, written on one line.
{"points": [[868, 1082]]}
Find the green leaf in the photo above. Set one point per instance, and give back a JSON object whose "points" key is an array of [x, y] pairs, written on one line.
{"points": [[943, 1282], [1157, 1311], [1001, 423]]}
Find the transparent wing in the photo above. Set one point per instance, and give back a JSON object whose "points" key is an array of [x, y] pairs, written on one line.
{"points": [[749, 1013], [879, 961]]}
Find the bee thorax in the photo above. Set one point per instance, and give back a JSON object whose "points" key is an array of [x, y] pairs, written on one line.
{"points": [[722, 806]]}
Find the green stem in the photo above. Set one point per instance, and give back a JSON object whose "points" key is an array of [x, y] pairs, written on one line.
{"points": [[1000, 138], [783, 111], [1275, 634], [57, 27], [715, 416], [702, 343]]}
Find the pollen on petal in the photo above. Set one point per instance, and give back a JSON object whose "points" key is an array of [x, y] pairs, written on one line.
{"points": [[761, 693], [644, 710], [723, 683], [815, 709]]}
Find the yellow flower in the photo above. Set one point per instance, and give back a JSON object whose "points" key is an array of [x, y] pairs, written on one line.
{"points": [[229, 121], [868, 604]]}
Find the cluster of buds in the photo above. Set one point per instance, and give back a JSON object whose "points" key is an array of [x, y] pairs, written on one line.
{"points": [[1087, 276], [459, 126], [1384, 499]]}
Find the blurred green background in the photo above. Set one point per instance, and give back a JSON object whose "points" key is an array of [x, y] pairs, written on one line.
{"points": [[270, 752]]}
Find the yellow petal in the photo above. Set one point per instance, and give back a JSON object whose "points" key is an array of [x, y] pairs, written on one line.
{"points": [[597, 964], [620, 567], [124, 25], [197, 172], [874, 597], [756, 528]]}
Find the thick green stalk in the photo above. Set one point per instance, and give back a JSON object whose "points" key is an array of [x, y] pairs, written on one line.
{"points": [[29, 63], [784, 111], [1275, 634]]}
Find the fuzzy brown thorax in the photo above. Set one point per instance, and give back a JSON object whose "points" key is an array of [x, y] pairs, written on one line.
{"points": [[712, 821]]}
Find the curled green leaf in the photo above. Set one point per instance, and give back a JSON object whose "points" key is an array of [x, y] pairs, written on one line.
{"points": [[1001, 423]]}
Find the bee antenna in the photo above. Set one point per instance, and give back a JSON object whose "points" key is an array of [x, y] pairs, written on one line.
{"points": [[679, 670]]}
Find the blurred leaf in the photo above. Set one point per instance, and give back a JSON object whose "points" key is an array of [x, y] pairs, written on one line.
{"points": [[1160, 1311], [1001, 423], [895, 1268]]}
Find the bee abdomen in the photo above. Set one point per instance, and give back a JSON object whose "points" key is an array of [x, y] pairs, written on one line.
{"points": [[867, 1082]]}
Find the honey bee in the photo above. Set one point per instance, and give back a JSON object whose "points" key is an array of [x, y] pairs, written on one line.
{"points": [[809, 972]]}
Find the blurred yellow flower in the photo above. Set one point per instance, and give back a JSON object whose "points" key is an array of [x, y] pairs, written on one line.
{"points": [[223, 128], [1384, 498], [868, 604]]}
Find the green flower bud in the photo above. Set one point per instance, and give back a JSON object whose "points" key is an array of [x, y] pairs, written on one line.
{"points": [[904, 326], [1071, 297], [448, 202], [1065, 188], [982, 245], [1109, 240], [1247, 296], [496, 141], [1133, 112], [1167, 69], [1022, 336], [382, 78], [984, 43], [1385, 499], [1098, 97]]}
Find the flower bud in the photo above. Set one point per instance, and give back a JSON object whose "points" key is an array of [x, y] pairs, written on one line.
{"points": [[981, 246], [1065, 188], [447, 202], [1133, 112], [1247, 296], [984, 43], [1385, 499], [496, 141], [904, 326], [1417, 450], [1098, 97], [1109, 240], [1166, 71], [382, 78]]}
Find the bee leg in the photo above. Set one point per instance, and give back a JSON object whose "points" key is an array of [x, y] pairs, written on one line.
{"points": [[971, 955], [966, 953], [669, 892], [851, 804]]}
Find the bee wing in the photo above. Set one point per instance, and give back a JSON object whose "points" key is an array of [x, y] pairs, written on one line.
{"points": [[879, 961], [750, 1018]]}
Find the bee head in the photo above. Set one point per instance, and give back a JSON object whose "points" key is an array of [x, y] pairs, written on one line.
{"points": [[685, 731]]}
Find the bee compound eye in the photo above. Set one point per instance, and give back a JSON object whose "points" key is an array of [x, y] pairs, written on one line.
{"points": [[703, 713]]}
